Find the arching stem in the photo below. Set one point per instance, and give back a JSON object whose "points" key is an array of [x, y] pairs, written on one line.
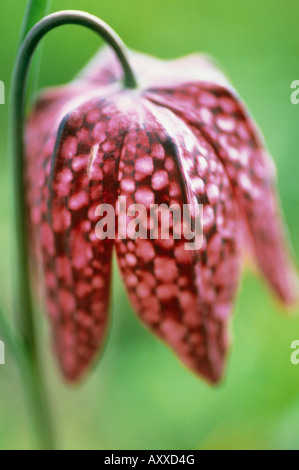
{"points": [[24, 306]]}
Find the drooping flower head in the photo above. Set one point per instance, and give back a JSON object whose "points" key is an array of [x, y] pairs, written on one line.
{"points": [[182, 137]]}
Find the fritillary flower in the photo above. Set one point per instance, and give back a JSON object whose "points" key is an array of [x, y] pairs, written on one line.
{"points": [[182, 137]]}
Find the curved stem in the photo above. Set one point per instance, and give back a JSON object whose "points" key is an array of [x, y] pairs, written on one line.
{"points": [[36, 387]]}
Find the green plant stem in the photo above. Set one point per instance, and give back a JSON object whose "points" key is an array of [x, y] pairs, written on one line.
{"points": [[35, 11], [33, 375], [24, 348], [35, 390], [9, 337]]}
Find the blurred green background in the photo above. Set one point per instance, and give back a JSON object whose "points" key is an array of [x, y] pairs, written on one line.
{"points": [[139, 396]]}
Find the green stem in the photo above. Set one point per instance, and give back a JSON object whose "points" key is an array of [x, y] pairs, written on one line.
{"points": [[9, 337], [34, 387], [35, 11], [24, 347], [24, 307]]}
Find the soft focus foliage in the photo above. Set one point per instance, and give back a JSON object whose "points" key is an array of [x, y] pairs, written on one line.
{"points": [[140, 397]]}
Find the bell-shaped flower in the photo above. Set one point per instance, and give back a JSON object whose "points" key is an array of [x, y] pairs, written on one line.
{"points": [[182, 139]]}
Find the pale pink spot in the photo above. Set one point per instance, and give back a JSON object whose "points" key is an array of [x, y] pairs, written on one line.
{"points": [[165, 269], [114, 125], [158, 151], [143, 290], [187, 300], [81, 252], [222, 311], [93, 116], [173, 331], [213, 166], [50, 280], [160, 180], [207, 99], [226, 123], [166, 243], [63, 183], [66, 301], [88, 272], [128, 185], [131, 260], [151, 316], [131, 280], [166, 291], [174, 190], [61, 219], [213, 194], [83, 289], [243, 131], [260, 170], [228, 105], [131, 148], [208, 217], [206, 116], [245, 154], [84, 320], [144, 166], [145, 250], [182, 255], [183, 281], [93, 237], [69, 147], [244, 182], [131, 246], [145, 196], [82, 134], [99, 132], [47, 238], [79, 163], [96, 173], [202, 166], [78, 200], [98, 282], [108, 146], [199, 185], [85, 226], [63, 269], [92, 212], [169, 164], [148, 278]]}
